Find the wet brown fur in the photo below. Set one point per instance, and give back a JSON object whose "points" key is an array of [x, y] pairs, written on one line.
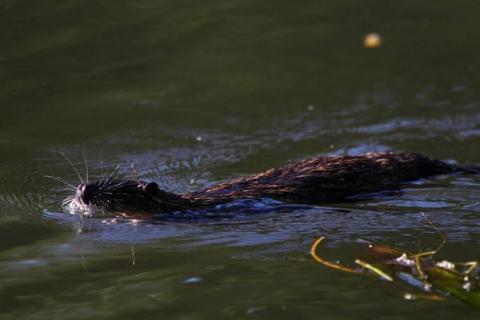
{"points": [[326, 179]]}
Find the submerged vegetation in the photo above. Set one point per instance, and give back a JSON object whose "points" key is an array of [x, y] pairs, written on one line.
{"points": [[430, 279]]}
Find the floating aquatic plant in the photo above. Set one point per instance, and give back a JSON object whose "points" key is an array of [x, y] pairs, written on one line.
{"points": [[431, 279]]}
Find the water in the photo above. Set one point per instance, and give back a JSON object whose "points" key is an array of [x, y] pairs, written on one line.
{"points": [[193, 93]]}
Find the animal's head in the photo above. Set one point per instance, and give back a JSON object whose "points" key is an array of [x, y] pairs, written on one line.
{"points": [[113, 196]]}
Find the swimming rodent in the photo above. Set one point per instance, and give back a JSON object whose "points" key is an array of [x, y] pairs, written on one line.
{"points": [[314, 180]]}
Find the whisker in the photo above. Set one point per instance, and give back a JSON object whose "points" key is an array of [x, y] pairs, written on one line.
{"points": [[101, 165], [72, 165], [134, 172], [113, 171], [84, 154], [66, 204], [61, 180], [86, 169]]}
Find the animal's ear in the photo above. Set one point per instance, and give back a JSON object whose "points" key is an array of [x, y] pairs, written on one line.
{"points": [[151, 188]]}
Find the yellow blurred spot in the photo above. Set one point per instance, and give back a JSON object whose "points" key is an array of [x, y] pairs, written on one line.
{"points": [[372, 40]]}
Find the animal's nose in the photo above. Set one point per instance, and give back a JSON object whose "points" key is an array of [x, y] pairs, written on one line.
{"points": [[81, 187], [83, 193]]}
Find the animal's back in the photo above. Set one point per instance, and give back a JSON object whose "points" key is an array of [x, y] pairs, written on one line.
{"points": [[323, 179]]}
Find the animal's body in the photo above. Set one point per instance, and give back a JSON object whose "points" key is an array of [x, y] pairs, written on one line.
{"points": [[314, 180]]}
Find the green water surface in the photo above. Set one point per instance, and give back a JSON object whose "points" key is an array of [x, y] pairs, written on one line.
{"points": [[194, 92]]}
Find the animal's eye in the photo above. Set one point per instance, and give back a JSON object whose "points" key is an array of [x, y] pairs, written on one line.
{"points": [[152, 188]]}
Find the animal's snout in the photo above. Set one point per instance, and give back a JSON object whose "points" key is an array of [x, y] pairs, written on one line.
{"points": [[84, 193]]}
